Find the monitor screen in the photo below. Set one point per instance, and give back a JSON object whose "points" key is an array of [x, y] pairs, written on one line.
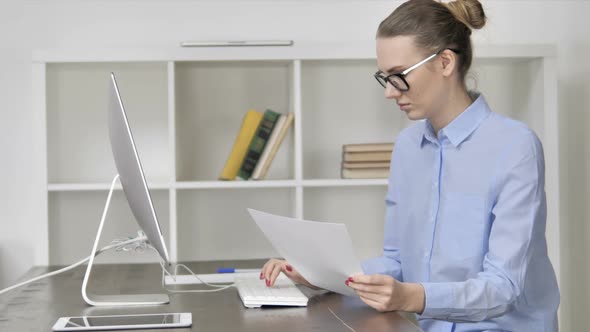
{"points": [[130, 171]]}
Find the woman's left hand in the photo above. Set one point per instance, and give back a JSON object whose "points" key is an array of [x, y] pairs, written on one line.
{"points": [[384, 293]]}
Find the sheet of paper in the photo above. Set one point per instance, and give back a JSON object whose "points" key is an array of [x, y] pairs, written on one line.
{"points": [[322, 252]]}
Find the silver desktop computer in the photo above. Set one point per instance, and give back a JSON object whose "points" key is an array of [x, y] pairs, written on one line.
{"points": [[131, 176]]}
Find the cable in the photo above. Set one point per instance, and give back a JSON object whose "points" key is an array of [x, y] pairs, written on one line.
{"points": [[120, 245], [196, 276], [165, 272], [125, 245], [340, 319]]}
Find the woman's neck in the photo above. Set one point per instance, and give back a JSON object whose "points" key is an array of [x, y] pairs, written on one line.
{"points": [[457, 102]]}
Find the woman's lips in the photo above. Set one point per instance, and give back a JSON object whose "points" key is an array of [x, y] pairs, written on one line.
{"points": [[404, 107]]}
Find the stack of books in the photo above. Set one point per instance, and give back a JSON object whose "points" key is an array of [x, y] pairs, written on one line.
{"points": [[366, 161], [256, 145]]}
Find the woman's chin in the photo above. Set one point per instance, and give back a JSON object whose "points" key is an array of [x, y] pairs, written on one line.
{"points": [[414, 115]]}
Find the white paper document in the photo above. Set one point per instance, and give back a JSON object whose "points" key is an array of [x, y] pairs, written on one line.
{"points": [[322, 252]]}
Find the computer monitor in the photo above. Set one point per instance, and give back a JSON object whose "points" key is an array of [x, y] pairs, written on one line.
{"points": [[131, 176], [131, 173]]}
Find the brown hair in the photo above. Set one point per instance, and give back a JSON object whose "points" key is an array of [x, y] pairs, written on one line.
{"points": [[437, 26]]}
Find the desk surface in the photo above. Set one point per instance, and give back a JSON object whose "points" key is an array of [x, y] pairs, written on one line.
{"points": [[37, 306]]}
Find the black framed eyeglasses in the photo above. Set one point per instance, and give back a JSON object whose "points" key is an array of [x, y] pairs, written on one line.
{"points": [[398, 80]]}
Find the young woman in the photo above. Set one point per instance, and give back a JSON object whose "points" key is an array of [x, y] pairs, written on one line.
{"points": [[464, 244]]}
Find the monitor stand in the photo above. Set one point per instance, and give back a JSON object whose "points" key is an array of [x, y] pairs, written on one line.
{"points": [[115, 300]]}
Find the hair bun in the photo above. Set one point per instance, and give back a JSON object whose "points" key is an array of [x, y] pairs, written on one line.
{"points": [[468, 12]]}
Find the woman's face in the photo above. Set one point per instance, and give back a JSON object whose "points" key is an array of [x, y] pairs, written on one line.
{"points": [[426, 92]]}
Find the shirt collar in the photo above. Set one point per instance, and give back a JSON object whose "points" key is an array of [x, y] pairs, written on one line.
{"points": [[463, 125]]}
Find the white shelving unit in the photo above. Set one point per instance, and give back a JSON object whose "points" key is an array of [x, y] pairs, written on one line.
{"points": [[185, 106]]}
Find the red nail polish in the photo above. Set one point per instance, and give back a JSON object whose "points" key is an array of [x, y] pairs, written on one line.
{"points": [[261, 276], [346, 282], [289, 268], [267, 283], [350, 279]]}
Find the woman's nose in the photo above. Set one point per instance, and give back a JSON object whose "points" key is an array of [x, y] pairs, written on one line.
{"points": [[391, 92]]}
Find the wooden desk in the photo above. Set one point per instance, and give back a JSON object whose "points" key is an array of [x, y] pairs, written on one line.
{"points": [[37, 306]]}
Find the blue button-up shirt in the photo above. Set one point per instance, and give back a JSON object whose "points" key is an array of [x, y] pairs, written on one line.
{"points": [[465, 217]]}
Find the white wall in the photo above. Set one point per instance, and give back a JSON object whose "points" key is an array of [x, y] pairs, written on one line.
{"points": [[64, 24], [17, 200]]}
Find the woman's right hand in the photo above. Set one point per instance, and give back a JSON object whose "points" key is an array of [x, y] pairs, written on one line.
{"points": [[271, 270]]}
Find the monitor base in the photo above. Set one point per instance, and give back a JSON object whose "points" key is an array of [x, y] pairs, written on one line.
{"points": [[126, 300], [115, 300]]}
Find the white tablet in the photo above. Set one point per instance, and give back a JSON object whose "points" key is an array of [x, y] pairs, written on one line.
{"points": [[123, 322]]}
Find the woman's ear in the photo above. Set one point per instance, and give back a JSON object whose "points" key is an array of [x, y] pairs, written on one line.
{"points": [[449, 62]]}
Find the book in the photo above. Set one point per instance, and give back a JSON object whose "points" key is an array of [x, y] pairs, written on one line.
{"points": [[256, 147], [250, 123], [370, 164], [366, 156], [365, 173], [265, 153], [276, 138], [368, 147]]}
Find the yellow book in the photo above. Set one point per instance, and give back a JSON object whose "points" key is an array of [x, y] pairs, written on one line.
{"points": [[250, 123]]}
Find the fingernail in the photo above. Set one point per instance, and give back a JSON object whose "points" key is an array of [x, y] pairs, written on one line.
{"points": [[267, 283], [350, 279], [261, 276], [346, 282], [289, 268]]}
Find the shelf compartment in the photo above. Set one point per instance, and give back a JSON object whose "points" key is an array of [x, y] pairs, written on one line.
{"points": [[64, 187], [53, 187], [342, 103], [512, 87], [344, 183], [78, 148], [215, 225], [74, 218], [211, 100], [363, 213], [236, 184]]}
